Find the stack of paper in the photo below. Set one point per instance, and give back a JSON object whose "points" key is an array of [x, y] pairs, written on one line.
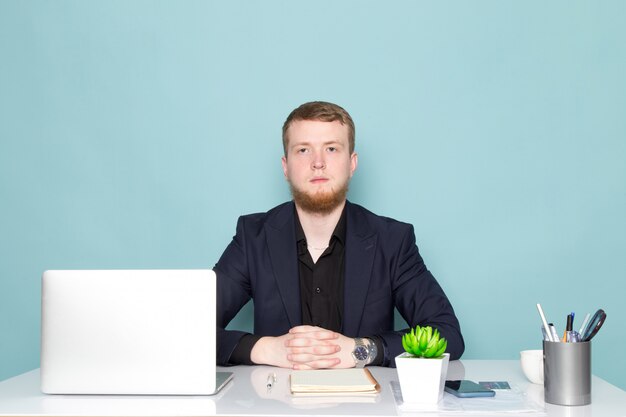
{"points": [[334, 382]]}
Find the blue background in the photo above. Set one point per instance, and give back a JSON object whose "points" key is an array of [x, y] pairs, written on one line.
{"points": [[133, 134]]}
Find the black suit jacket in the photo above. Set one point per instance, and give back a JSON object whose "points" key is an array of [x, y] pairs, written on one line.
{"points": [[383, 270]]}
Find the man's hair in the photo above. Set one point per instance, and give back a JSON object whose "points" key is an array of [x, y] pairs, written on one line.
{"points": [[321, 111]]}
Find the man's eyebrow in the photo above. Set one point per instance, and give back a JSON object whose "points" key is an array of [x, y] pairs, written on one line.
{"points": [[307, 143]]}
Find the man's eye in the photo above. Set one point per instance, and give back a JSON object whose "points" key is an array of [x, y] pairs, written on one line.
{"points": [[302, 150], [332, 149]]}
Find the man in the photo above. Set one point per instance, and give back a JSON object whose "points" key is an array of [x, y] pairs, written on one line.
{"points": [[324, 274]]}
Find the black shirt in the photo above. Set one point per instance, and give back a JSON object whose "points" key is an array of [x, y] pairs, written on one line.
{"points": [[321, 282], [321, 290]]}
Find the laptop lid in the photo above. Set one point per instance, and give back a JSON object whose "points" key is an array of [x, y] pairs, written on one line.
{"points": [[128, 332]]}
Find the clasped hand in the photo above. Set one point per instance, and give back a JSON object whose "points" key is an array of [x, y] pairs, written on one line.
{"points": [[305, 347]]}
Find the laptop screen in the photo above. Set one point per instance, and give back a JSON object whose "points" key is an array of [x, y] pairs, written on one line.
{"points": [[128, 332]]}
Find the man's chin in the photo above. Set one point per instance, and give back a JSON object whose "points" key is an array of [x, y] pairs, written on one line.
{"points": [[320, 202]]}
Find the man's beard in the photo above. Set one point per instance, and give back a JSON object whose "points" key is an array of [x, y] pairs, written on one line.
{"points": [[322, 202]]}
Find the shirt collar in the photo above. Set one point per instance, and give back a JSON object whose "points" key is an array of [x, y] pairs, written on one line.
{"points": [[339, 233]]}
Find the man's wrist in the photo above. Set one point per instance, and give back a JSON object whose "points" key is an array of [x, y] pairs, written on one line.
{"points": [[364, 352], [243, 350], [373, 351], [379, 359], [258, 353]]}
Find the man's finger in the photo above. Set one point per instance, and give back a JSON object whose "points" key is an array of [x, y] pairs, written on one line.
{"points": [[304, 329], [307, 341], [318, 335], [314, 331], [315, 350]]}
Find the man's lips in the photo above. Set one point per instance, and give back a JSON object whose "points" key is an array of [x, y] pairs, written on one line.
{"points": [[318, 180]]}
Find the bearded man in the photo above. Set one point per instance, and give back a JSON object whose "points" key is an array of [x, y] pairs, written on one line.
{"points": [[325, 275]]}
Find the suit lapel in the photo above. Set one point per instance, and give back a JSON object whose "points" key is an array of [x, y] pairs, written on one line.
{"points": [[280, 235], [360, 249]]}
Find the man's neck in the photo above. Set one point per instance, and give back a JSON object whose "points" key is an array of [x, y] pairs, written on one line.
{"points": [[318, 228]]}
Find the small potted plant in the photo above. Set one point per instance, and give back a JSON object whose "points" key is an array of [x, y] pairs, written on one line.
{"points": [[423, 367]]}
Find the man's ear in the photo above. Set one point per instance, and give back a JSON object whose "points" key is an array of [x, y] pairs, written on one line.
{"points": [[354, 161], [283, 161]]}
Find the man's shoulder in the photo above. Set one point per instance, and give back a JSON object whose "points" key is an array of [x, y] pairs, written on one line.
{"points": [[363, 216], [274, 216]]}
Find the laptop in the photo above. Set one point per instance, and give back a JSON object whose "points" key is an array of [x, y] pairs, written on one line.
{"points": [[138, 332]]}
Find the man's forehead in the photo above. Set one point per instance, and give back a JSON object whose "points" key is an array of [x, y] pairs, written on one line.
{"points": [[308, 130]]}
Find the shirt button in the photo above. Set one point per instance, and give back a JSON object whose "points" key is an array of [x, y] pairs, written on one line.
{"points": [[318, 290]]}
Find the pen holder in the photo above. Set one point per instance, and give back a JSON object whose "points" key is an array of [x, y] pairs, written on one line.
{"points": [[567, 373]]}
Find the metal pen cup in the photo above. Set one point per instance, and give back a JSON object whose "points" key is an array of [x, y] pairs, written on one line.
{"points": [[567, 373]]}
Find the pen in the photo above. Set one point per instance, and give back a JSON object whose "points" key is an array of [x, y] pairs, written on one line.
{"points": [[554, 333], [271, 380], [568, 327], [545, 324], [582, 327], [572, 337]]}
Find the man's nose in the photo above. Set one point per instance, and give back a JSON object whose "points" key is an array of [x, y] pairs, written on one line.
{"points": [[318, 161]]}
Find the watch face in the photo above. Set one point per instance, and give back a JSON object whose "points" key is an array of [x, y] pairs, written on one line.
{"points": [[360, 353]]}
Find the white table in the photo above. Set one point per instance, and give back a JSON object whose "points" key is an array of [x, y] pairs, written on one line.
{"points": [[247, 395]]}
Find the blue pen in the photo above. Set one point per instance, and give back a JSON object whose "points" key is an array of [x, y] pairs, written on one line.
{"points": [[572, 337]]}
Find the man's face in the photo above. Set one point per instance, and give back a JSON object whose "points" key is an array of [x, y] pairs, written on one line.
{"points": [[318, 164]]}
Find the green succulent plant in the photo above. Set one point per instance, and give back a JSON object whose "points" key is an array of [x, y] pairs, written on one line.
{"points": [[424, 342]]}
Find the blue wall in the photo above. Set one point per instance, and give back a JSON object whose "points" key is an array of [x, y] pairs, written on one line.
{"points": [[133, 134]]}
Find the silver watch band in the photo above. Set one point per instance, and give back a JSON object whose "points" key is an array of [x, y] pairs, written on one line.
{"points": [[373, 351], [364, 352]]}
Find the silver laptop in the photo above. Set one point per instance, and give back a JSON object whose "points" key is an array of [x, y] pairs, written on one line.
{"points": [[146, 332]]}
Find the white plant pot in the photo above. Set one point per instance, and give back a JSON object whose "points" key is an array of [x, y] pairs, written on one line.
{"points": [[422, 379]]}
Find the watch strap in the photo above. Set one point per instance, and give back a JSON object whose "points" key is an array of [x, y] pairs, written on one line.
{"points": [[364, 352]]}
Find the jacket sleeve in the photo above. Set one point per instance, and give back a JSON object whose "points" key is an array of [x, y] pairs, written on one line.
{"points": [[420, 300], [233, 292]]}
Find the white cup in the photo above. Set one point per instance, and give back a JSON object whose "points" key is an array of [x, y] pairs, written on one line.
{"points": [[532, 365]]}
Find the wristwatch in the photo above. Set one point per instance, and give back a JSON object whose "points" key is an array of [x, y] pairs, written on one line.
{"points": [[364, 352]]}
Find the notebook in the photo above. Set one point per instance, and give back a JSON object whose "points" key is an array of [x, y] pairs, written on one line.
{"points": [[149, 332], [354, 381]]}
